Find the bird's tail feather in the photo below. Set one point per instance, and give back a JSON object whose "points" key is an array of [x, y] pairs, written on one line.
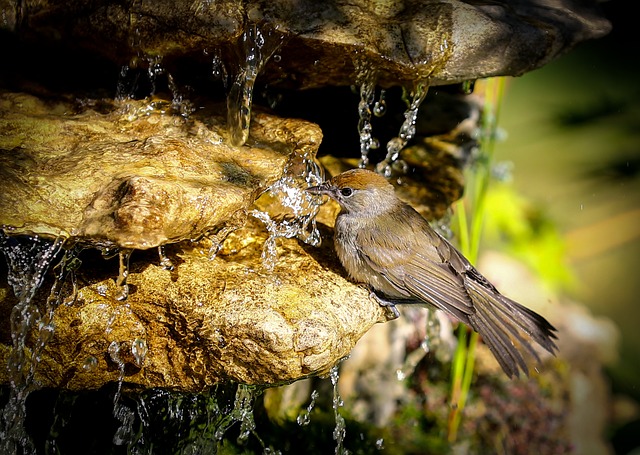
{"points": [[505, 325]]}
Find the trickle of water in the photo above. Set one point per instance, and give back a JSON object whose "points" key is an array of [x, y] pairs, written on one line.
{"points": [[123, 273], [293, 210], [304, 418], [127, 83], [407, 131], [165, 262], [365, 129], [242, 412], [114, 354], [125, 432], [28, 259], [219, 70], [340, 430], [154, 70], [255, 48], [179, 102]]}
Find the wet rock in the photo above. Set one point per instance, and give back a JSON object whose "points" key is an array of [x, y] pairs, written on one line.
{"points": [[134, 177], [205, 321], [324, 43]]}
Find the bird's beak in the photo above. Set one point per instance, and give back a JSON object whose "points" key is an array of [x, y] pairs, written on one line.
{"points": [[320, 189]]}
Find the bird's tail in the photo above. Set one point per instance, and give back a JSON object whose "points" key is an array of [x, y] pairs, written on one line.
{"points": [[507, 328]]}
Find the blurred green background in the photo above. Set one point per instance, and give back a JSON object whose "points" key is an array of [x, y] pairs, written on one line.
{"points": [[573, 137]]}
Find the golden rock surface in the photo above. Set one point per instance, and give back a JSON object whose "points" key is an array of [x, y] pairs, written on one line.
{"points": [[134, 177], [206, 321]]}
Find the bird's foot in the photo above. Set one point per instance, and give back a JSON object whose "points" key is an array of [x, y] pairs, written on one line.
{"points": [[392, 311]]}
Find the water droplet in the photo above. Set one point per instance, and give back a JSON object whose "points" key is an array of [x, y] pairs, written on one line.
{"points": [[468, 86], [90, 363], [380, 106], [139, 350], [102, 290]]}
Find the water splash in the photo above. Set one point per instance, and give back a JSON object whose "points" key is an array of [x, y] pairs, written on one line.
{"points": [[180, 104], [255, 48], [340, 430], [407, 131], [28, 260], [292, 210], [304, 418]]}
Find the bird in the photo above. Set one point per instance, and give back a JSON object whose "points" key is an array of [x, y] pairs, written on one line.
{"points": [[386, 245]]}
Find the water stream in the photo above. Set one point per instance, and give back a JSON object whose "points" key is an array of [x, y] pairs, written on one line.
{"points": [[254, 50], [406, 133], [28, 260]]}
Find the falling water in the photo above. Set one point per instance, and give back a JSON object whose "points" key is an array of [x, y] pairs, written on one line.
{"points": [[296, 209], [254, 50], [365, 129], [340, 430], [304, 418], [407, 130], [28, 259], [123, 273], [165, 261]]}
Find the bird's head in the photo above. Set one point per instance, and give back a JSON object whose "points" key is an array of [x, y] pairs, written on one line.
{"points": [[359, 191]]}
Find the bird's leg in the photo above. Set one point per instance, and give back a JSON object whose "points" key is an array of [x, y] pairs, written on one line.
{"points": [[388, 304]]}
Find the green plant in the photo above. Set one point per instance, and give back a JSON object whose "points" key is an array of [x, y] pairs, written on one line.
{"points": [[470, 212]]}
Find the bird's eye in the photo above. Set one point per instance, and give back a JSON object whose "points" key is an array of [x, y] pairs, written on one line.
{"points": [[346, 192]]}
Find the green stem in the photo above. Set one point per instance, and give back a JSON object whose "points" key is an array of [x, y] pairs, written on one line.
{"points": [[469, 241]]}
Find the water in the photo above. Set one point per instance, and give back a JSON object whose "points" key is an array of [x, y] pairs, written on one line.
{"points": [[165, 262], [340, 430], [365, 129], [255, 48], [114, 355], [123, 273], [28, 260], [304, 418], [407, 131], [292, 209]]}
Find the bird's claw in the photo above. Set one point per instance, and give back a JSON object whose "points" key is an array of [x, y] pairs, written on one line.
{"points": [[392, 311]]}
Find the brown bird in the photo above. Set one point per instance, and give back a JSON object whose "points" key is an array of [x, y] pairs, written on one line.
{"points": [[385, 244]]}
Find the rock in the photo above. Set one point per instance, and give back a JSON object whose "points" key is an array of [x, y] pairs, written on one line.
{"points": [[323, 43], [134, 177], [206, 321]]}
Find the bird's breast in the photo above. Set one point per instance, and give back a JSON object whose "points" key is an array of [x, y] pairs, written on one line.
{"points": [[351, 252]]}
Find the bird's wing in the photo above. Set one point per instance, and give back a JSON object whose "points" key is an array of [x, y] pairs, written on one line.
{"points": [[418, 265], [430, 269]]}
